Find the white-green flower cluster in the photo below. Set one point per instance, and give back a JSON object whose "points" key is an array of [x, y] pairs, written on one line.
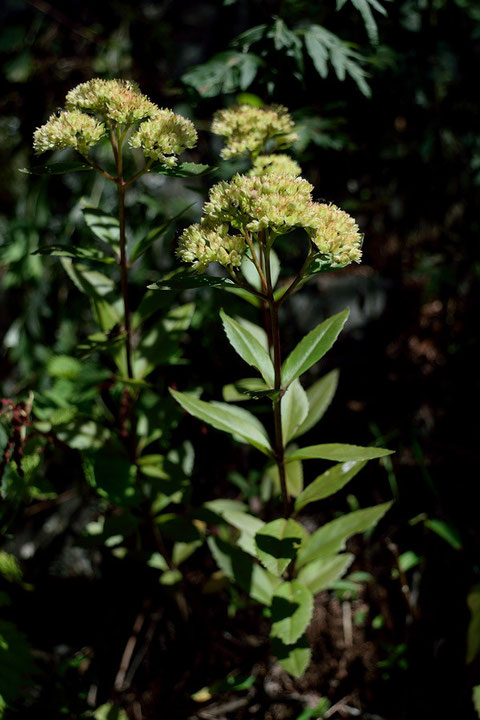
{"points": [[267, 206], [201, 244], [164, 136], [117, 101], [118, 104], [249, 130], [275, 165], [336, 235], [69, 129]]}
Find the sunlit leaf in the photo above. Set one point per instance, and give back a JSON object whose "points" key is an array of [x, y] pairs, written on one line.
{"points": [[329, 482], [332, 537], [230, 419], [292, 609], [313, 347]]}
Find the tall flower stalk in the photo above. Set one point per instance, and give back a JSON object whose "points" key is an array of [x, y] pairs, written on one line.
{"points": [[117, 109], [278, 562]]}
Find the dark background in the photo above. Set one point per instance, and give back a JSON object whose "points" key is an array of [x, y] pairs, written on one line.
{"points": [[406, 163]]}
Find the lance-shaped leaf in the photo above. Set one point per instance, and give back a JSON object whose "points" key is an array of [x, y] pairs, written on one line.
{"points": [[294, 410], [319, 396], [56, 168], [248, 347], [313, 347], [242, 569], [76, 253], [187, 280], [293, 658], [332, 537], [319, 574], [184, 170], [230, 419], [104, 227], [337, 452], [277, 543], [293, 477], [292, 609], [248, 525], [329, 482], [247, 389]]}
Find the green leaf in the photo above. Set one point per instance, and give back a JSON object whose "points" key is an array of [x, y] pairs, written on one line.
{"points": [[186, 280], [247, 389], [292, 610], [248, 347], [293, 477], [250, 272], [104, 227], [337, 452], [473, 633], [230, 419], [184, 170], [277, 543], [248, 525], [258, 332], [225, 72], [293, 658], [446, 532], [329, 482], [324, 47], [319, 396], [331, 538], [242, 569], [364, 7], [476, 699], [56, 168], [319, 574], [294, 410], [313, 347], [77, 253]]}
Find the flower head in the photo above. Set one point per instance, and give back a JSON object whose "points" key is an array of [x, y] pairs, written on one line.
{"points": [[118, 101], [165, 135], [275, 165], [201, 244], [248, 130], [336, 235], [276, 204], [69, 129]]}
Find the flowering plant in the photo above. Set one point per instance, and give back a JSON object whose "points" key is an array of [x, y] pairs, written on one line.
{"points": [[278, 562]]}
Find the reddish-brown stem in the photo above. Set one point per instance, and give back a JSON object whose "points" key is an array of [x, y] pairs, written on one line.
{"points": [[277, 401]]}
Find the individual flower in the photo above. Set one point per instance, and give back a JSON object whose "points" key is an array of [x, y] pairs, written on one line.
{"points": [[201, 245], [69, 129], [336, 235], [248, 130], [164, 136], [275, 165], [118, 101]]}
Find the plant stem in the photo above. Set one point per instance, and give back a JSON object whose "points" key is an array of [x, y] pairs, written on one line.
{"points": [[124, 287], [277, 402]]}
